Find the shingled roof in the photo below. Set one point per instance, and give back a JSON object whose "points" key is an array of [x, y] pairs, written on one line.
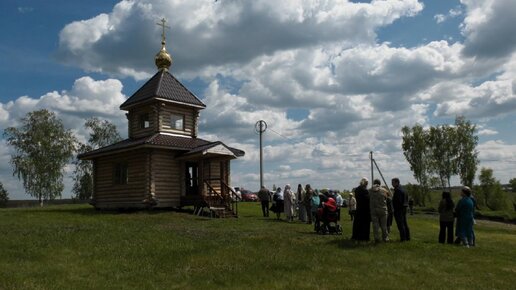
{"points": [[188, 145], [163, 85]]}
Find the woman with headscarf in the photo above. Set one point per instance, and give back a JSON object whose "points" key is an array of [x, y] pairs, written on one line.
{"points": [[289, 203], [307, 201], [362, 221], [464, 211], [277, 199], [446, 218], [300, 203]]}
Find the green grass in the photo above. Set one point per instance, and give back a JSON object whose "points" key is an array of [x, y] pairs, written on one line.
{"points": [[76, 247]]}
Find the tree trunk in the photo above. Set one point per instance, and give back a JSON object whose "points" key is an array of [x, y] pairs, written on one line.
{"points": [[443, 182], [40, 201]]}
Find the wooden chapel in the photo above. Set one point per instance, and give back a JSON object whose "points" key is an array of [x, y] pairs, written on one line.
{"points": [[162, 163]]}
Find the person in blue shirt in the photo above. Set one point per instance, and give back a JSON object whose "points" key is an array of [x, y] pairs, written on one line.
{"points": [[464, 211]]}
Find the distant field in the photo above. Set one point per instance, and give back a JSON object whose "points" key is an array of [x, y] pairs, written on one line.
{"points": [[76, 247]]}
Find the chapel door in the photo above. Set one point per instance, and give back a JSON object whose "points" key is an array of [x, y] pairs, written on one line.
{"points": [[192, 178]]}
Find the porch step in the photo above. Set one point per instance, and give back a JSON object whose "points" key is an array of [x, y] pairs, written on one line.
{"points": [[220, 212]]}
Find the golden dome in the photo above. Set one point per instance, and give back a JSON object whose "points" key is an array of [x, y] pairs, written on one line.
{"points": [[163, 60]]}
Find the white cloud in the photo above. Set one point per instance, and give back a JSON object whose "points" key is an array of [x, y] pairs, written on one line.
{"points": [[489, 28], [25, 9], [86, 98], [440, 18], [487, 132], [452, 13], [270, 59], [128, 37], [500, 157]]}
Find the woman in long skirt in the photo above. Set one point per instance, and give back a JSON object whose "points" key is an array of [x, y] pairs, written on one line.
{"points": [[300, 203], [277, 200], [464, 211], [362, 221], [289, 203]]}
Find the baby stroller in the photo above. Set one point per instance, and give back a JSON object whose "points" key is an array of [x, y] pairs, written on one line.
{"points": [[329, 217]]}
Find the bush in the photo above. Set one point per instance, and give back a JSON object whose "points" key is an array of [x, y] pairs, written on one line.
{"points": [[499, 200]]}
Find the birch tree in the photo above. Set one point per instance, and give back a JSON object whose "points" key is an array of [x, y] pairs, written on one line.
{"points": [[416, 153], [102, 133], [42, 148], [467, 161]]}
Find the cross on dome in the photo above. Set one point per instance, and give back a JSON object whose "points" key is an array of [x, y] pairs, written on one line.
{"points": [[163, 60]]}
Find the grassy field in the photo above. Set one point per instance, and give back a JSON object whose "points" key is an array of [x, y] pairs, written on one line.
{"points": [[75, 247]]}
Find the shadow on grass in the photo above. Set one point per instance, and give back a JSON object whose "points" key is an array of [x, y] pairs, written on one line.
{"points": [[347, 243]]}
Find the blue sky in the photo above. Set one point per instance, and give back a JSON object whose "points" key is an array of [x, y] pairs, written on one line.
{"points": [[334, 79]]}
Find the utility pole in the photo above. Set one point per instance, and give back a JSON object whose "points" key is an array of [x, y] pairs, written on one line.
{"points": [[372, 173], [260, 128], [373, 162]]}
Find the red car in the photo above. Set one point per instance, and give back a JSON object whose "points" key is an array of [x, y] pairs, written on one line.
{"points": [[247, 195]]}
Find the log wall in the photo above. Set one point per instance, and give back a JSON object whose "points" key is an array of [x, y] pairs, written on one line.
{"points": [[107, 194], [166, 178], [133, 118], [189, 119], [212, 174]]}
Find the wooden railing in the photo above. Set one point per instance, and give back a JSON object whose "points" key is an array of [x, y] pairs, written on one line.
{"points": [[227, 197], [233, 197]]}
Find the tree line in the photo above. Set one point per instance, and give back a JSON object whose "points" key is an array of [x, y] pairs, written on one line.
{"points": [[437, 153], [43, 147]]}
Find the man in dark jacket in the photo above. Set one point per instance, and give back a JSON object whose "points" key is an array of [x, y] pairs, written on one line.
{"points": [[362, 221], [265, 197], [400, 204]]}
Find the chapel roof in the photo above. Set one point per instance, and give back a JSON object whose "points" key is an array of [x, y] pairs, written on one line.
{"points": [[163, 85], [170, 142]]}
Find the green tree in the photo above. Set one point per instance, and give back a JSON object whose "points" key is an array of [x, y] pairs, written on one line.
{"points": [[4, 195], [415, 149], [434, 182], [42, 149], [102, 133], [443, 149], [512, 182], [492, 192], [498, 199], [467, 159], [415, 192]]}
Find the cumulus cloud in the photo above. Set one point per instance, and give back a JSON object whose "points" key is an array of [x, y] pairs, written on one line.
{"points": [[487, 132], [271, 60], [499, 156], [87, 98], [124, 41], [490, 98], [452, 13], [489, 28]]}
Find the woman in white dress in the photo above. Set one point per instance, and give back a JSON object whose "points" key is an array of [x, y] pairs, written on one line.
{"points": [[289, 203]]}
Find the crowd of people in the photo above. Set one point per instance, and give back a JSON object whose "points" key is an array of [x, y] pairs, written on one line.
{"points": [[378, 205], [306, 204]]}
